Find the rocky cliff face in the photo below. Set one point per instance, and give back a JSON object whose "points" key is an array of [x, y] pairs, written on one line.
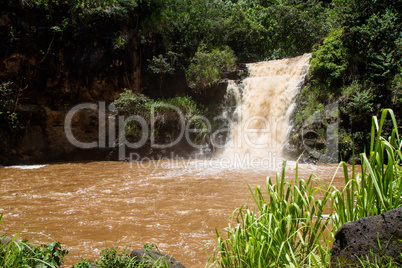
{"points": [[57, 66], [57, 55], [43, 138], [66, 66]]}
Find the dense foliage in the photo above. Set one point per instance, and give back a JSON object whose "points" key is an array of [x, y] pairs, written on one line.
{"points": [[254, 29], [246, 30], [208, 35], [287, 229], [357, 45], [359, 64], [206, 67]]}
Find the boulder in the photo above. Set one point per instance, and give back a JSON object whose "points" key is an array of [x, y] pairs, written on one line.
{"points": [[370, 237], [153, 256]]}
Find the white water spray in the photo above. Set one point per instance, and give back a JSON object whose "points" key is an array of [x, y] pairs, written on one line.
{"points": [[261, 123]]}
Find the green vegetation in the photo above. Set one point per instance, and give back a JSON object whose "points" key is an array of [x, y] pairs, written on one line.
{"points": [[329, 61], [112, 258], [379, 187], [167, 116], [206, 68], [77, 14], [253, 29], [21, 254], [130, 103], [356, 60], [287, 228], [161, 65], [9, 97], [356, 45], [378, 262], [358, 64]]}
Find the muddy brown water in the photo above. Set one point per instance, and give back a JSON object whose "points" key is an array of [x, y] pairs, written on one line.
{"points": [[90, 206]]}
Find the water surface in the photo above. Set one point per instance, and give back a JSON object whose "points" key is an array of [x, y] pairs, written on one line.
{"points": [[89, 206]]}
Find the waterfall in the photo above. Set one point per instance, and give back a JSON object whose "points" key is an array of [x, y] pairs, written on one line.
{"points": [[260, 123]]}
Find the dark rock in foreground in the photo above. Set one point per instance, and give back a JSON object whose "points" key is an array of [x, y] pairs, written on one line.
{"points": [[153, 256], [368, 238]]}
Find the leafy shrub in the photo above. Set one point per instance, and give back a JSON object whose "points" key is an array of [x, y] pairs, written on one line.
{"points": [[9, 97], [130, 103], [167, 123], [161, 65], [328, 62], [360, 106], [22, 254], [119, 41], [345, 145], [206, 67], [112, 258]]}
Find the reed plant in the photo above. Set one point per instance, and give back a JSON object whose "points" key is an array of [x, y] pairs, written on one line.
{"points": [[288, 228], [379, 186]]}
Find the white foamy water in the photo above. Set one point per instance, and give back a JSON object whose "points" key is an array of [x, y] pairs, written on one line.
{"points": [[261, 124], [27, 166]]}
